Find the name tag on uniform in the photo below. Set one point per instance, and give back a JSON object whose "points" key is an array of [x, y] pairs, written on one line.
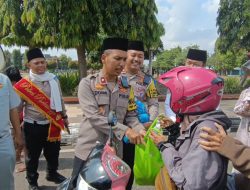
{"points": [[100, 92], [123, 96], [1, 86]]}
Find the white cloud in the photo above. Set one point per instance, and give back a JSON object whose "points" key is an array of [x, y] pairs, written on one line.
{"points": [[188, 22], [211, 6]]}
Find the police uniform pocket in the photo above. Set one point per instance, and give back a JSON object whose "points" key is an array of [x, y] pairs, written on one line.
{"points": [[102, 100], [122, 107], [103, 104], [122, 103]]}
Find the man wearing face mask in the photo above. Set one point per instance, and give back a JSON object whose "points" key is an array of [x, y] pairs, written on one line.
{"points": [[145, 93]]}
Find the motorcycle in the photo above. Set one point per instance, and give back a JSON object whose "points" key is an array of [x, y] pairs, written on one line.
{"points": [[103, 170]]}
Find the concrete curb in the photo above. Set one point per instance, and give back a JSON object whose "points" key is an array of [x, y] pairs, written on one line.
{"points": [[161, 98]]}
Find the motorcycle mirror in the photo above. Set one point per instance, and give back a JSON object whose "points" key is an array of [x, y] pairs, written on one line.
{"points": [[2, 60]]}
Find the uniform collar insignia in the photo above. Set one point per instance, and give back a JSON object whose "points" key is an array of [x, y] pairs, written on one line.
{"points": [[99, 86], [103, 81]]}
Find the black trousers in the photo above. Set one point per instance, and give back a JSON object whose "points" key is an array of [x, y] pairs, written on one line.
{"points": [[129, 157], [77, 167], [36, 141]]}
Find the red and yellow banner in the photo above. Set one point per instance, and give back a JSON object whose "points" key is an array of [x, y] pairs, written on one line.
{"points": [[33, 95]]}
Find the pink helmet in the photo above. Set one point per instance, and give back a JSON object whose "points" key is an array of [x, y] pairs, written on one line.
{"points": [[194, 90]]}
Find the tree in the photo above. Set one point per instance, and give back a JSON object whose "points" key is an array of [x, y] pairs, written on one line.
{"points": [[17, 58], [7, 56], [52, 64], [169, 59], [233, 23], [71, 24], [77, 24], [63, 61], [13, 30], [93, 60], [137, 21], [225, 62], [73, 65]]}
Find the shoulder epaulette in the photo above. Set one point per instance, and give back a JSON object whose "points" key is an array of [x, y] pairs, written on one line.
{"points": [[92, 76]]}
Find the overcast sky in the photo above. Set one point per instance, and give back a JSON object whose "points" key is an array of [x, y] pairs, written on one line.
{"points": [[186, 22]]}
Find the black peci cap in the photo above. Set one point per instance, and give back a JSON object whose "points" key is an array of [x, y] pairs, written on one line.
{"points": [[196, 54], [115, 43], [34, 53], [136, 45]]}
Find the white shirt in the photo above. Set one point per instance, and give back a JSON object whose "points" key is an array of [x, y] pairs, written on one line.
{"points": [[8, 100]]}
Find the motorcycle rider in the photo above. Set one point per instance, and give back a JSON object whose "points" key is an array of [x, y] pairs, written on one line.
{"points": [[195, 94]]}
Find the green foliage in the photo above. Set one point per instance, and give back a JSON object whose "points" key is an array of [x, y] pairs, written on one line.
{"points": [[51, 64], [224, 62], [7, 56], [232, 85], [63, 61], [17, 58], [135, 20], [68, 82], [13, 30], [233, 23], [169, 59], [78, 24], [93, 60], [73, 65]]}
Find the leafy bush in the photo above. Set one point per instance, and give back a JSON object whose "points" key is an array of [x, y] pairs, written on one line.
{"points": [[69, 82], [232, 85]]}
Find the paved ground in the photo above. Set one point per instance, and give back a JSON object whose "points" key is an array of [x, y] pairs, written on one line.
{"points": [[67, 152]]}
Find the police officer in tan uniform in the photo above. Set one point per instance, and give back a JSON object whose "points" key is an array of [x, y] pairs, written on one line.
{"points": [[145, 91], [143, 84], [98, 95]]}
